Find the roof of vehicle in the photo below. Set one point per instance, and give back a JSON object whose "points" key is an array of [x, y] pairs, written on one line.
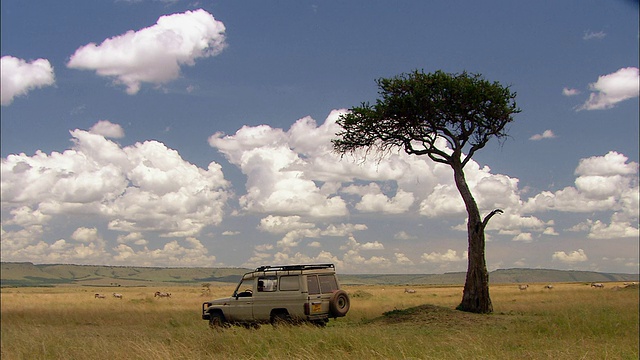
{"points": [[279, 270]]}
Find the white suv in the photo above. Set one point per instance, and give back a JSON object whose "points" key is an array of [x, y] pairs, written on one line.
{"points": [[290, 293]]}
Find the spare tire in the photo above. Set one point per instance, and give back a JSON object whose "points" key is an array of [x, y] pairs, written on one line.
{"points": [[339, 304]]}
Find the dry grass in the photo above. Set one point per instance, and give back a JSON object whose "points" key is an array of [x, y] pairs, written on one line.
{"points": [[571, 321]]}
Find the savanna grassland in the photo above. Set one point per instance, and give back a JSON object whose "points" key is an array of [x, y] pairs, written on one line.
{"points": [[570, 321]]}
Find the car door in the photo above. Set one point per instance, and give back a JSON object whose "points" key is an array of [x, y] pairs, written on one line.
{"points": [[241, 304], [318, 302], [266, 298]]}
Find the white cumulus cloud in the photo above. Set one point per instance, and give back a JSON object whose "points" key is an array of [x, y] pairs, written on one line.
{"points": [[614, 230], [86, 235], [604, 183], [156, 53], [107, 129], [611, 164], [283, 224], [372, 246], [278, 176], [373, 200], [524, 237], [449, 256], [570, 258], [20, 76], [547, 134], [613, 88]]}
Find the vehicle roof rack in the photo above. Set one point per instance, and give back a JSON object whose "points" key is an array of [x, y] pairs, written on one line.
{"points": [[295, 267]]}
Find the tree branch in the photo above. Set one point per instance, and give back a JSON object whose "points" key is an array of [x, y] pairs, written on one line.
{"points": [[488, 217]]}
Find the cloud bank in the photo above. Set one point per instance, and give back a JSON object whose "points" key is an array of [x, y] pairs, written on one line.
{"points": [[293, 172], [143, 204], [139, 191]]}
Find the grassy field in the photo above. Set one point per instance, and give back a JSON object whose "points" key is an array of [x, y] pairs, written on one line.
{"points": [[571, 321]]}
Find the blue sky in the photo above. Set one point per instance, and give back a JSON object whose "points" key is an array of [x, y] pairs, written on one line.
{"points": [[174, 133]]}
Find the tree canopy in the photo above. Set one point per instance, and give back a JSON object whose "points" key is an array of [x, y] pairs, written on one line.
{"points": [[416, 109]]}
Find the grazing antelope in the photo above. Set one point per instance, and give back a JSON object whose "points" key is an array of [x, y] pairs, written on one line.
{"points": [[597, 285], [117, 296], [162, 294], [548, 286], [523, 287], [99, 296], [409, 291]]}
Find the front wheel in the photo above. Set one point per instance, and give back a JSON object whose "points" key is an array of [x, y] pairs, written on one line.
{"points": [[216, 321]]}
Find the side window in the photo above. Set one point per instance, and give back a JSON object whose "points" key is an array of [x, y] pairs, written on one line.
{"points": [[289, 283], [267, 284], [328, 283], [313, 285]]}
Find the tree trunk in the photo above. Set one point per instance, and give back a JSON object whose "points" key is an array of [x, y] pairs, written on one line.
{"points": [[475, 297]]}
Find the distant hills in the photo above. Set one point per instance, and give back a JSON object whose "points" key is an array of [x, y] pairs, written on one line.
{"points": [[500, 276], [28, 274]]}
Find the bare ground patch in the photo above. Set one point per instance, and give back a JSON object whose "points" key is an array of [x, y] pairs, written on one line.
{"points": [[428, 314]]}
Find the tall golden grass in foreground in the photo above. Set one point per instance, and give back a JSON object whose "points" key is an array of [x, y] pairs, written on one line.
{"points": [[571, 321]]}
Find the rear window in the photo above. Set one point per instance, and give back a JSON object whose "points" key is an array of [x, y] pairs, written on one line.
{"points": [[313, 285], [328, 283]]}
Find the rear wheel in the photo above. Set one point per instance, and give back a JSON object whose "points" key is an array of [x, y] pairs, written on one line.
{"points": [[280, 318]]}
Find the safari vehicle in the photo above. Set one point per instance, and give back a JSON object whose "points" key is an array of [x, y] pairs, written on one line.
{"points": [[281, 294]]}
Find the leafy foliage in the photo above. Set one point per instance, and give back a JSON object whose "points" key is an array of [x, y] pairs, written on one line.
{"points": [[417, 109]]}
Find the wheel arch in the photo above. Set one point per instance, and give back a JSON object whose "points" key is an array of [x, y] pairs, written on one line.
{"points": [[217, 311], [279, 311]]}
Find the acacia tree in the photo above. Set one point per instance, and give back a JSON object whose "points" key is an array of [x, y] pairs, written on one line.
{"points": [[417, 110]]}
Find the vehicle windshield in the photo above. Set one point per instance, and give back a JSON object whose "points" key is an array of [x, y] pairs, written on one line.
{"points": [[244, 288]]}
